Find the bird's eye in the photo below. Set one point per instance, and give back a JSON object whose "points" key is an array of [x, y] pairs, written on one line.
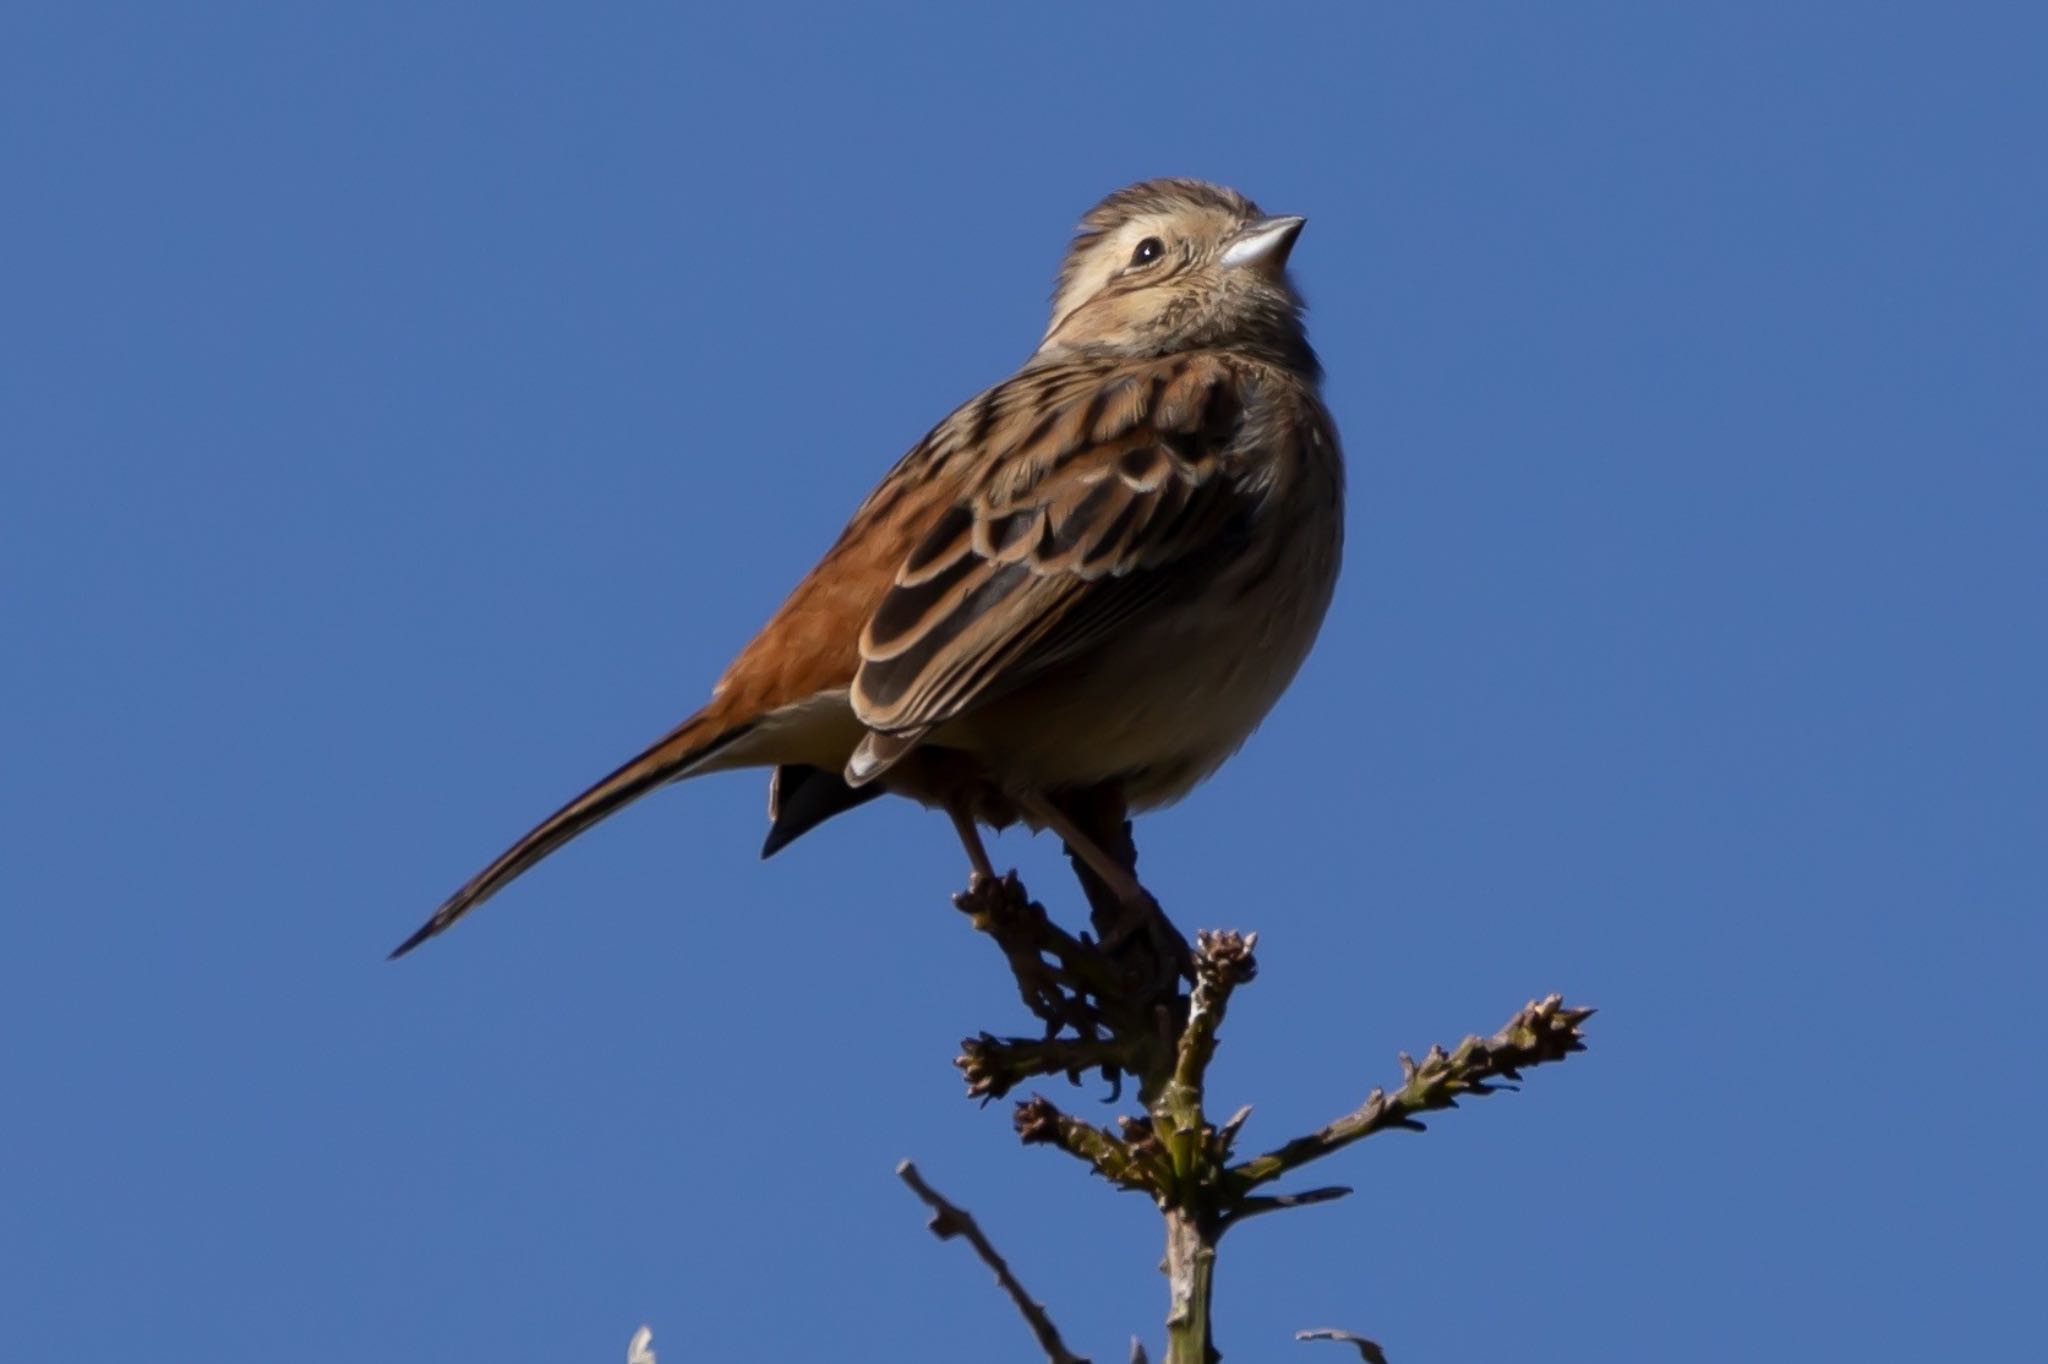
{"points": [[1149, 250]]}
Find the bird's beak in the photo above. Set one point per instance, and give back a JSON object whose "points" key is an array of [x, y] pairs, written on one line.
{"points": [[1263, 244]]}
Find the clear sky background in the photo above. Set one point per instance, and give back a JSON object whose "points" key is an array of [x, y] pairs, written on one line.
{"points": [[405, 411]]}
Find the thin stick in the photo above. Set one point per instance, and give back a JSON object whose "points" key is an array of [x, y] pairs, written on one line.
{"points": [[948, 1221], [1542, 1032], [1368, 1350]]}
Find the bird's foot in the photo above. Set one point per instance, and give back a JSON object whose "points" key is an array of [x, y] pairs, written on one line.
{"points": [[1140, 913]]}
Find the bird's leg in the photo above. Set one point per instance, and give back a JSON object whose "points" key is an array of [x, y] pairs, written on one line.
{"points": [[1115, 874], [1097, 832], [970, 839]]}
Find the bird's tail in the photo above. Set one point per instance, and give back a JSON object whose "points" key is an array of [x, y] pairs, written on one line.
{"points": [[681, 753]]}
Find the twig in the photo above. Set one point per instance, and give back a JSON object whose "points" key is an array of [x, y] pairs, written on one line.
{"points": [[1119, 995], [1223, 961], [1194, 1218], [949, 1221], [1251, 1205], [1133, 1161], [1540, 1033], [1368, 1350], [993, 1066]]}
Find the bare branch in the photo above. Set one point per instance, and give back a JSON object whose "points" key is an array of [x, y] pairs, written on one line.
{"points": [[1133, 1161], [993, 1066], [1368, 1350], [1223, 961], [1539, 1034], [1251, 1205], [1113, 1004], [948, 1221]]}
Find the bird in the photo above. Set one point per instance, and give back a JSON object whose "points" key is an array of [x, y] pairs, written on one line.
{"points": [[1077, 595]]}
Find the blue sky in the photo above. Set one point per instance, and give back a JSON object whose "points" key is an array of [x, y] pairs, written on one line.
{"points": [[406, 411]]}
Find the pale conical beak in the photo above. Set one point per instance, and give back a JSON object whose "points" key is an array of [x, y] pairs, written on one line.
{"points": [[1264, 244]]}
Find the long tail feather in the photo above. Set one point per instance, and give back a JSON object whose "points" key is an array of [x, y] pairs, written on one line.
{"points": [[674, 756]]}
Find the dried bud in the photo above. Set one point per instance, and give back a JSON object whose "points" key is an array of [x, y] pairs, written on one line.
{"points": [[1225, 955], [977, 1063], [1037, 1121], [1138, 1134]]}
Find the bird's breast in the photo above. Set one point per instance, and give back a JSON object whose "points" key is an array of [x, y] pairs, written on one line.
{"points": [[1165, 701]]}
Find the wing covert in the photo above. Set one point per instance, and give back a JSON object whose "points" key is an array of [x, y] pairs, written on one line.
{"points": [[1083, 514]]}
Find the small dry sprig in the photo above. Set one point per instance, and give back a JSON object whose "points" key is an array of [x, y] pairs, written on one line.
{"points": [[1131, 1161], [1368, 1350], [950, 1220], [1119, 1010], [1541, 1032], [993, 1066]]}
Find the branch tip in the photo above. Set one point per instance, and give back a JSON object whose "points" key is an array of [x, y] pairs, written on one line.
{"points": [[1224, 957], [1368, 1350], [950, 1220], [1540, 1033]]}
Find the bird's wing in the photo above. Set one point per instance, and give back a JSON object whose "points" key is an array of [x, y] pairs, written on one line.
{"points": [[1100, 493]]}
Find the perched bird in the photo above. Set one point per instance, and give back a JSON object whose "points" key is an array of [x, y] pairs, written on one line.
{"points": [[1078, 595]]}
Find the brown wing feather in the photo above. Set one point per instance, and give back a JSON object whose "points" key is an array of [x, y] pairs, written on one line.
{"points": [[1118, 475]]}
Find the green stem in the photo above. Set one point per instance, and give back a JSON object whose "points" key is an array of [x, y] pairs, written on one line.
{"points": [[1223, 961], [1191, 1280]]}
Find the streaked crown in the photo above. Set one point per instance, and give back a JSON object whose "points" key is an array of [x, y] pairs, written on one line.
{"points": [[1175, 264]]}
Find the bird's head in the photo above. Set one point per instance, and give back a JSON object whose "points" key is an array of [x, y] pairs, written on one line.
{"points": [[1172, 265]]}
